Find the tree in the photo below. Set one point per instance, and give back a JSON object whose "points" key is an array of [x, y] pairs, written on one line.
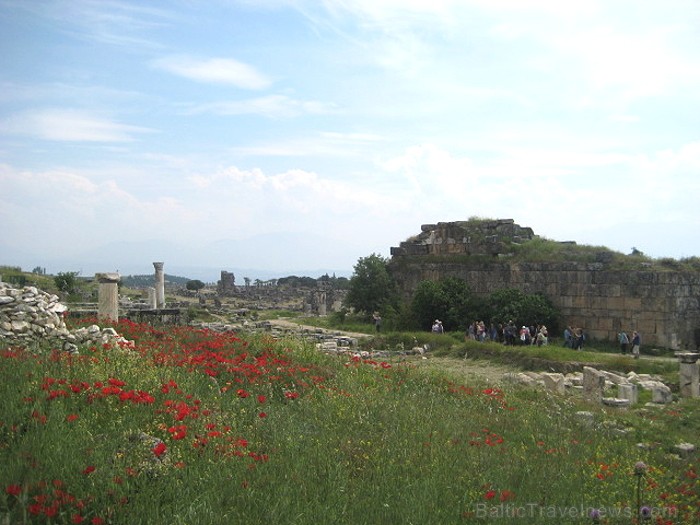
{"points": [[524, 309], [449, 300], [195, 285], [371, 287], [65, 281]]}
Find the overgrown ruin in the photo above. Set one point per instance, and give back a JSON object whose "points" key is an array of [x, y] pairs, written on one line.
{"points": [[597, 289]]}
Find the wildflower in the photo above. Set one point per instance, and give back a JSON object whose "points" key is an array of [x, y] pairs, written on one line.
{"points": [[89, 469], [507, 495], [595, 515], [640, 468], [262, 399], [76, 518], [490, 495], [159, 449], [645, 513], [71, 417], [13, 490]]}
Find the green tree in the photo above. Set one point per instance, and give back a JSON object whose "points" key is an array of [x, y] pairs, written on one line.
{"points": [[524, 309], [449, 300], [66, 281], [195, 285], [371, 288]]}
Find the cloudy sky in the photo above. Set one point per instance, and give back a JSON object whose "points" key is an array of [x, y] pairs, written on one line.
{"points": [[304, 134]]}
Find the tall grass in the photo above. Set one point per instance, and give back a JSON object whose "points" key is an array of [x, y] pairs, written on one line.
{"points": [[195, 427]]}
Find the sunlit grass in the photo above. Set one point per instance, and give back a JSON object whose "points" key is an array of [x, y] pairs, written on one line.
{"points": [[196, 427]]}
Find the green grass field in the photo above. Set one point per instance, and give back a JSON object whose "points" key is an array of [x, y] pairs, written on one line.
{"points": [[192, 427]]}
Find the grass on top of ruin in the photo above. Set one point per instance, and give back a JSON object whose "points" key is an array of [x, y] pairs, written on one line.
{"points": [[192, 426]]}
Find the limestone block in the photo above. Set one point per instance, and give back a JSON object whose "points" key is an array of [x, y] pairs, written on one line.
{"points": [[593, 384], [554, 382], [628, 391], [6, 299], [616, 402], [690, 379], [20, 326], [661, 394], [615, 378], [684, 450]]}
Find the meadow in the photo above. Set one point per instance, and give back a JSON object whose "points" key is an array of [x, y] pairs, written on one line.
{"points": [[188, 426]]}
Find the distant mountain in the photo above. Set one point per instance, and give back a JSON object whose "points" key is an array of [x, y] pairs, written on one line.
{"points": [[145, 281], [264, 257]]}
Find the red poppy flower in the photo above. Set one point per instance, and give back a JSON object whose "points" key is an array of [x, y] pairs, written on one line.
{"points": [[13, 490], [490, 494], [159, 449], [72, 417], [89, 469]]}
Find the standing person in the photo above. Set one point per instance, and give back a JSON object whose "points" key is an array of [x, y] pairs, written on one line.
{"points": [[578, 338], [377, 321], [437, 327], [636, 342], [624, 342], [568, 338]]}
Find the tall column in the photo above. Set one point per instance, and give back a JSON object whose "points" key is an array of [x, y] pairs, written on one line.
{"points": [[159, 285], [107, 296]]}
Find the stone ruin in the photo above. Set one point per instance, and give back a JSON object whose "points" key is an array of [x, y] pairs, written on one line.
{"points": [[227, 285], [610, 388], [28, 314], [596, 293], [465, 237]]}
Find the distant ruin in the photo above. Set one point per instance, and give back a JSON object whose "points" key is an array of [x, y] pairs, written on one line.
{"points": [[663, 304], [227, 285]]}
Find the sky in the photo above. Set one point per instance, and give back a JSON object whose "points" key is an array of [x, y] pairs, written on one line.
{"points": [[288, 135]]}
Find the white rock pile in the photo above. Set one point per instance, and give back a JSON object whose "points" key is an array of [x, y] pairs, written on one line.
{"points": [[626, 385], [29, 314]]}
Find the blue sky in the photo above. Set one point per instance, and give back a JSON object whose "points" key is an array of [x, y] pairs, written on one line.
{"points": [[292, 134]]}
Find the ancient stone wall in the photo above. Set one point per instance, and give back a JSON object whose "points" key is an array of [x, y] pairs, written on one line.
{"points": [[29, 314], [664, 306]]}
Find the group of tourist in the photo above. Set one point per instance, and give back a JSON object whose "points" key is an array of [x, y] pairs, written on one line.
{"points": [[574, 338], [624, 341], [508, 334]]}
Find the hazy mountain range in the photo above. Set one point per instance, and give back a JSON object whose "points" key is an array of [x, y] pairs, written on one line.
{"points": [[260, 257]]}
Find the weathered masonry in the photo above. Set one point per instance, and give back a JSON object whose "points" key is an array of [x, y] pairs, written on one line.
{"points": [[662, 304]]}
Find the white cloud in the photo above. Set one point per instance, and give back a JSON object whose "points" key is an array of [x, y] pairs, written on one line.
{"points": [[214, 71], [68, 125], [274, 106]]}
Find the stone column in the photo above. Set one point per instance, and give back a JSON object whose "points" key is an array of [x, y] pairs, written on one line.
{"points": [[160, 285], [107, 296], [689, 373], [151, 297], [593, 384]]}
